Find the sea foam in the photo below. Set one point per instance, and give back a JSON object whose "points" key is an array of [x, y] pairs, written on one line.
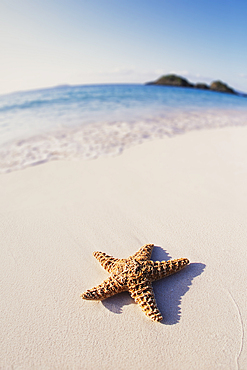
{"points": [[109, 138]]}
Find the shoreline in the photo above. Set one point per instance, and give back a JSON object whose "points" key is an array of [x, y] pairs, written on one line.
{"points": [[187, 196], [111, 138]]}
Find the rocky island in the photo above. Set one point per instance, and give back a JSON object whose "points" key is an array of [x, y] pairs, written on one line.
{"points": [[174, 80]]}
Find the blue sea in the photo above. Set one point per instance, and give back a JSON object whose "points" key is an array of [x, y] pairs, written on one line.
{"points": [[68, 122]]}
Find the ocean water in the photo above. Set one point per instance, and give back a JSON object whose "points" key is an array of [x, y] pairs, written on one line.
{"points": [[69, 122]]}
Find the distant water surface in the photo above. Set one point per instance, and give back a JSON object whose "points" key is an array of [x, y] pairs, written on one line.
{"points": [[89, 121]]}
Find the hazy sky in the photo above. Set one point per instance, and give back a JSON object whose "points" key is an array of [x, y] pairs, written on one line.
{"points": [[53, 42]]}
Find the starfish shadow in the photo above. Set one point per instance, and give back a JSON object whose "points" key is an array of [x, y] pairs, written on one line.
{"points": [[168, 291], [115, 303]]}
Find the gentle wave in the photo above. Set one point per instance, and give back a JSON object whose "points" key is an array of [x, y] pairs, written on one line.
{"points": [[110, 138]]}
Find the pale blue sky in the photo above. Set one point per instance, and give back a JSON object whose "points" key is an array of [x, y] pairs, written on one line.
{"points": [[52, 42]]}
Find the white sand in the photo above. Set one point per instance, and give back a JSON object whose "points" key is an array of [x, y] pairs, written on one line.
{"points": [[188, 196]]}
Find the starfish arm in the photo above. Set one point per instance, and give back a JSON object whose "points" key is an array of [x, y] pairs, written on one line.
{"points": [[144, 252], [106, 261], [143, 295], [162, 269], [108, 288]]}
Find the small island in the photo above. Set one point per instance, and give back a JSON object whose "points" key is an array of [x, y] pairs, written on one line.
{"points": [[171, 80], [174, 80]]}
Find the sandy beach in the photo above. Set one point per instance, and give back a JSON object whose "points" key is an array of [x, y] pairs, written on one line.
{"points": [[188, 196]]}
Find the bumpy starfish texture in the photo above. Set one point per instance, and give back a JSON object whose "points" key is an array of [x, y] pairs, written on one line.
{"points": [[134, 274]]}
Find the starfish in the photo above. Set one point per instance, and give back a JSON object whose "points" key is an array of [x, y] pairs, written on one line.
{"points": [[134, 274]]}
